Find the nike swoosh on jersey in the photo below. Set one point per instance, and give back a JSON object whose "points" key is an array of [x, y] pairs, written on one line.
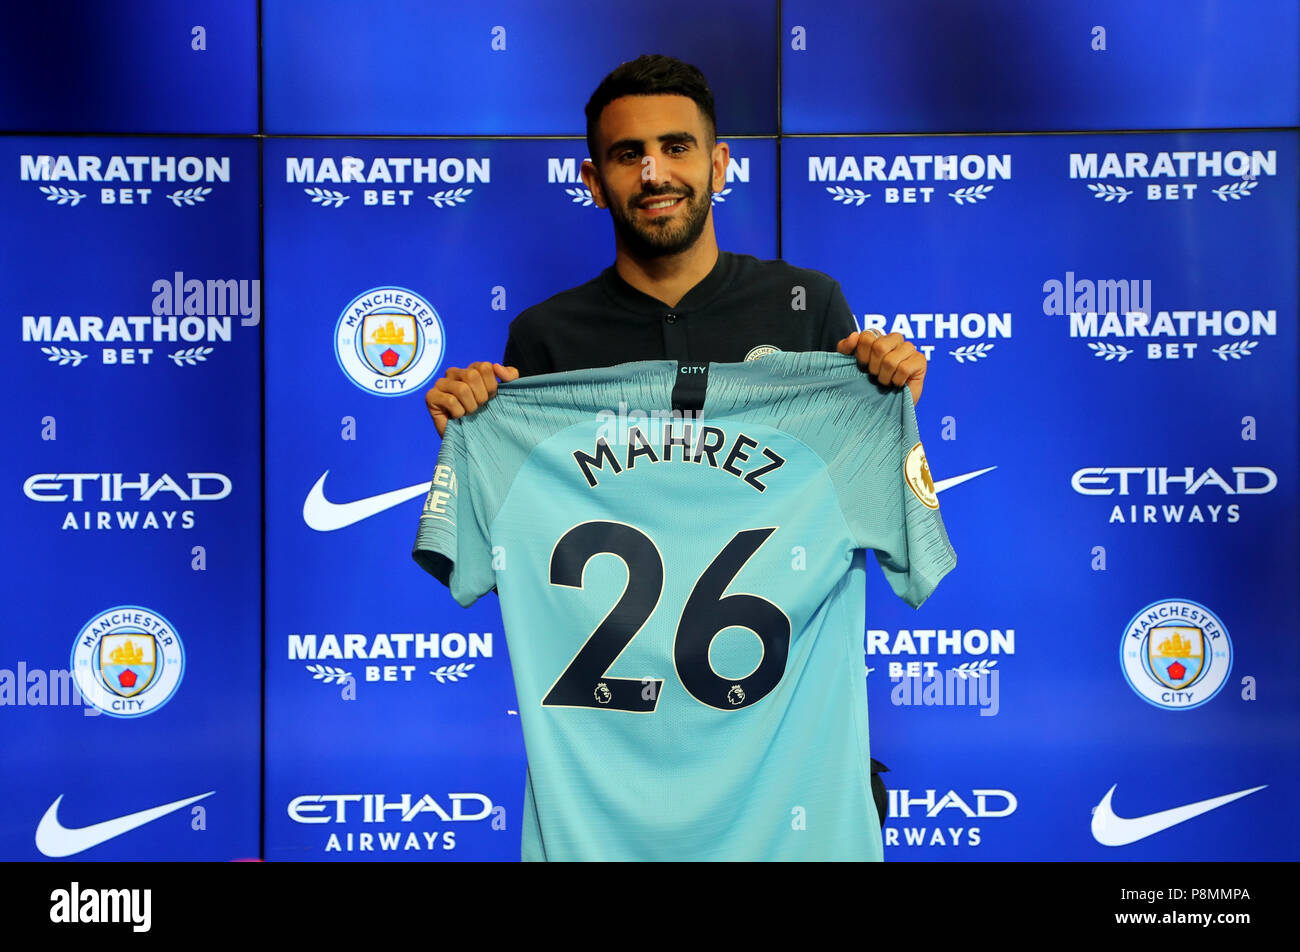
{"points": [[55, 840], [325, 516], [952, 481], [1111, 830]]}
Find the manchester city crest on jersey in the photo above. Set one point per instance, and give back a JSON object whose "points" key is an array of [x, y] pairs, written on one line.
{"points": [[1176, 654], [917, 471], [762, 350], [128, 661], [389, 341]]}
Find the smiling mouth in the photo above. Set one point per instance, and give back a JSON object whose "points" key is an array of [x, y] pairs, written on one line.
{"points": [[661, 204]]}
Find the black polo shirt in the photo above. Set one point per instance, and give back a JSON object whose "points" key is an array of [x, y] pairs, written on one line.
{"points": [[741, 308]]}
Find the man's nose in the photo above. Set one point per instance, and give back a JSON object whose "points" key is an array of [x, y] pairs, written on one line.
{"points": [[655, 174]]}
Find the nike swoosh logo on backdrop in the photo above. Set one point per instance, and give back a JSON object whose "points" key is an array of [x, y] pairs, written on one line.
{"points": [[325, 516], [1111, 830], [952, 481], [54, 839]]}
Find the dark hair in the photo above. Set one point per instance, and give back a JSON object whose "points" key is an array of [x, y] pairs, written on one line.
{"points": [[650, 75]]}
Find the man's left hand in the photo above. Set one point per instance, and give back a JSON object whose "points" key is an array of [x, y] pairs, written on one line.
{"points": [[891, 359]]}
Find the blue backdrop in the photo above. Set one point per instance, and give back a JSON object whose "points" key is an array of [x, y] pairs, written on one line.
{"points": [[215, 613]]}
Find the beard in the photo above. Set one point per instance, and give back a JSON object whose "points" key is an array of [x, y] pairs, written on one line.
{"points": [[658, 237]]}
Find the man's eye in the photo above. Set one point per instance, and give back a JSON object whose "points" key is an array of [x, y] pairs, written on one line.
{"points": [[624, 156]]}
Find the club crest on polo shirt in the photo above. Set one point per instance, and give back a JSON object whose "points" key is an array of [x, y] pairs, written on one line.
{"points": [[762, 350]]}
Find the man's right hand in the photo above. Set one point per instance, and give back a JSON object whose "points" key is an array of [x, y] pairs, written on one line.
{"points": [[459, 391]]}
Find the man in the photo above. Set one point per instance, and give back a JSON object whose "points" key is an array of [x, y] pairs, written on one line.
{"points": [[671, 294]]}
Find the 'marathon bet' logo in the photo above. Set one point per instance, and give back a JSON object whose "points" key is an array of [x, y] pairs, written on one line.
{"points": [[128, 661], [389, 341], [1176, 654]]}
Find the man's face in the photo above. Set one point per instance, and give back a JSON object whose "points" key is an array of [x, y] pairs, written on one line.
{"points": [[656, 149]]}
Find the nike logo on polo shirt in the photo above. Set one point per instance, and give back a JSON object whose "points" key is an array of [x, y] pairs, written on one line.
{"points": [[55, 840], [325, 516], [1111, 830]]}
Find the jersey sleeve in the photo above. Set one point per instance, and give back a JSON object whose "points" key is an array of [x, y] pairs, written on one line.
{"points": [[893, 507], [452, 543]]}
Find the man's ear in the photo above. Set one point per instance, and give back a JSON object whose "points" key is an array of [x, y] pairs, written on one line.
{"points": [[721, 158], [591, 179]]}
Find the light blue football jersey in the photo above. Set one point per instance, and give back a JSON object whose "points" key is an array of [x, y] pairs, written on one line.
{"points": [[679, 553]]}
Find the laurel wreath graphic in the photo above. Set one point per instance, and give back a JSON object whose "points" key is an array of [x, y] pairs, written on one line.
{"points": [[189, 196], [64, 356], [327, 197], [1235, 190], [721, 196], [847, 196], [189, 356], [327, 674], [61, 196], [451, 196], [972, 193], [1110, 193], [974, 669], [1236, 350], [1110, 351], [451, 672], [972, 352]]}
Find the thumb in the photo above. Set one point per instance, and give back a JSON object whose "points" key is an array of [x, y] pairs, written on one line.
{"points": [[847, 345], [506, 373]]}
